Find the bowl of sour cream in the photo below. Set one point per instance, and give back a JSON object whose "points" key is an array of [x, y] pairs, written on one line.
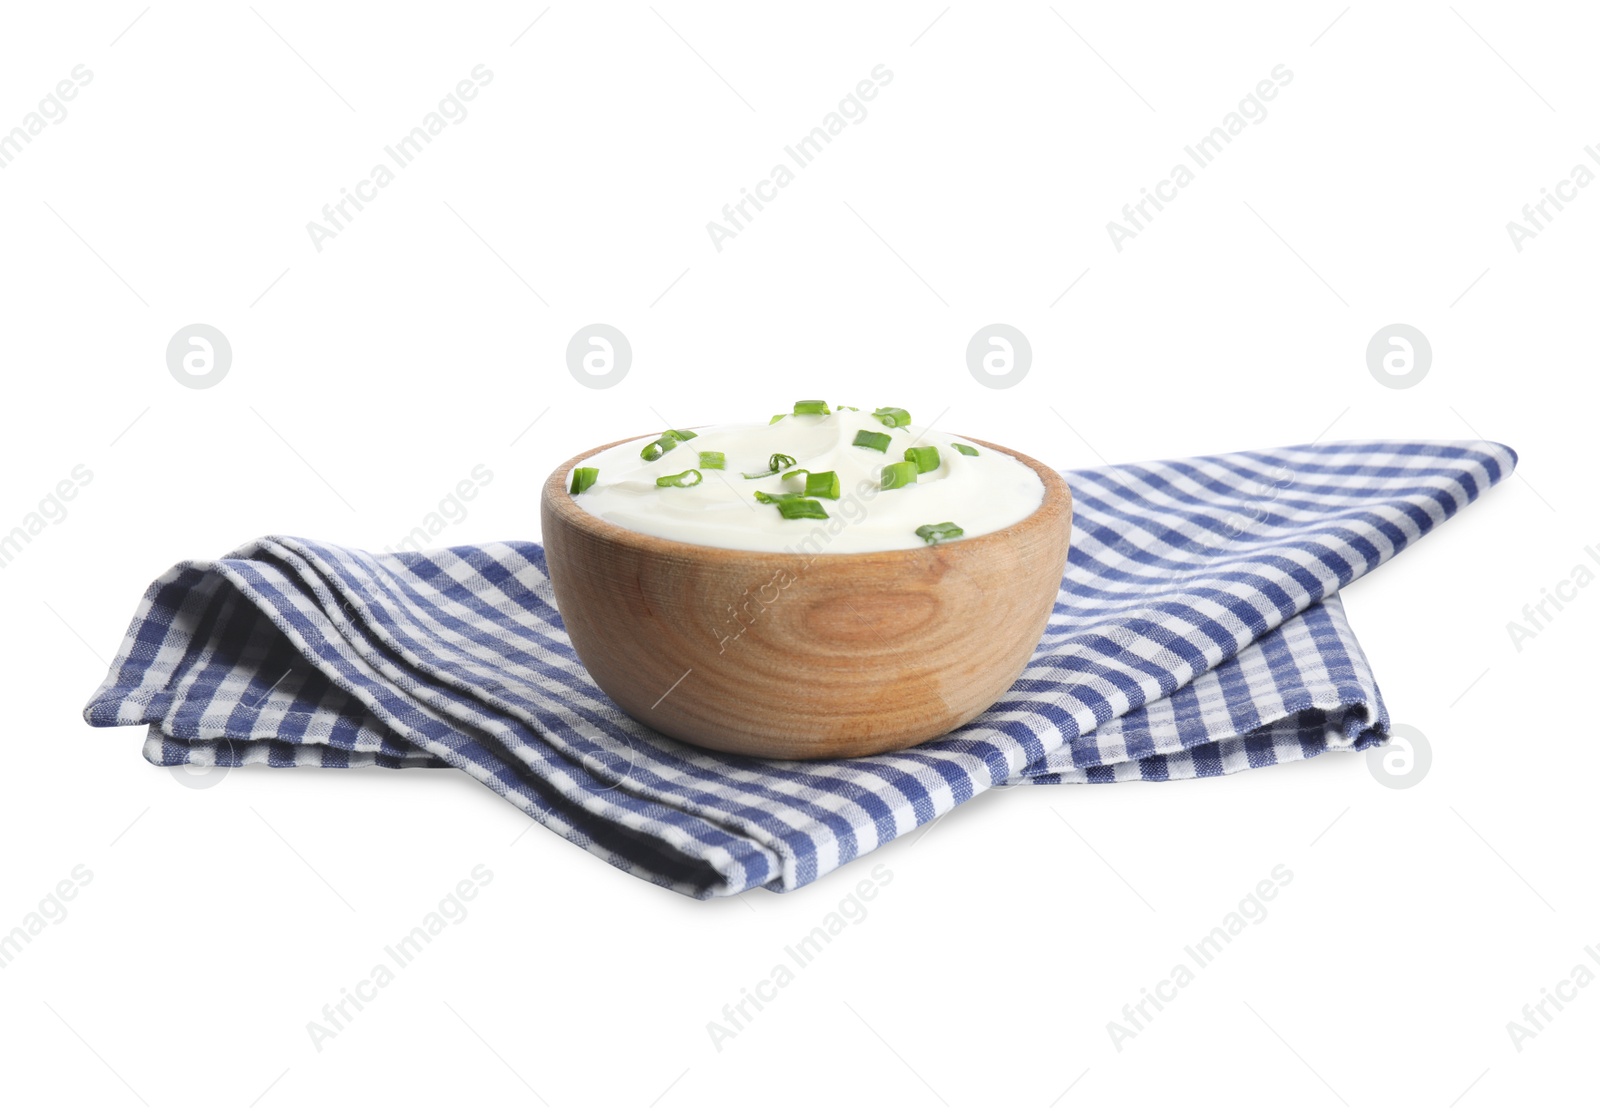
{"points": [[831, 583]]}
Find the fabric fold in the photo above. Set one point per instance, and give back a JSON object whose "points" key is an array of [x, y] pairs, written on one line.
{"points": [[1198, 632]]}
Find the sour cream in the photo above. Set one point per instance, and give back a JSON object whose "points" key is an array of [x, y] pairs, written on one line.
{"points": [[980, 493]]}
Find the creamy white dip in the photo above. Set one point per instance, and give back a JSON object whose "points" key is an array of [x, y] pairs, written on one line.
{"points": [[979, 493]]}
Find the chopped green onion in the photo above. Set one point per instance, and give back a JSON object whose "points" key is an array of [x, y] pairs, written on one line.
{"points": [[821, 484], [710, 459], [801, 509], [669, 439], [892, 416], [811, 406], [925, 457], [824, 485], [964, 450], [793, 505], [583, 479], [776, 418], [939, 532], [872, 439], [660, 445], [838, 406], [681, 480], [898, 475], [775, 464]]}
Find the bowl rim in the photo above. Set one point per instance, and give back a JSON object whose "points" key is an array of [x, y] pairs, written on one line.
{"points": [[557, 500]]}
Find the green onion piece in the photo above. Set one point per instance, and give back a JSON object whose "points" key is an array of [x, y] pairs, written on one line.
{"points": [[669, 439], [660, 445], [939, 532], [710, 459], [793, 505], [892, 416], [802, 474], [872, 439], [801, 509], [688, 478], [776, 418], [778, 497], [964, 450], [898, 475], [925, 457], [775, 464], [840, 407], [811, 406], [583, 479], [822, 484]]}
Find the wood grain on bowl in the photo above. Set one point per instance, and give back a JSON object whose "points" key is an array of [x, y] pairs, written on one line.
{"points": [[804, 656]]}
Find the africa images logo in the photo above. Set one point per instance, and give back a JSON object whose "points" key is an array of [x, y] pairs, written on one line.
{"points": [[402, 153]]}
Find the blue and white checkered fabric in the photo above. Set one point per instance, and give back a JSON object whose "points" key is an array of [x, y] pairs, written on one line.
{"points": [[1198, 632]]}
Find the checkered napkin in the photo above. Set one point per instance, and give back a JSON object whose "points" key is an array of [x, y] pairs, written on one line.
{"points": [[1198, 631]]}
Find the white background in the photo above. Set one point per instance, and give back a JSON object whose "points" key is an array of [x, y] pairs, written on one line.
{"points": [[369, 378]]}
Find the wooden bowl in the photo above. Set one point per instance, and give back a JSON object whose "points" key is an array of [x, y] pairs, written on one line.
{"points": [[804, 657]]}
